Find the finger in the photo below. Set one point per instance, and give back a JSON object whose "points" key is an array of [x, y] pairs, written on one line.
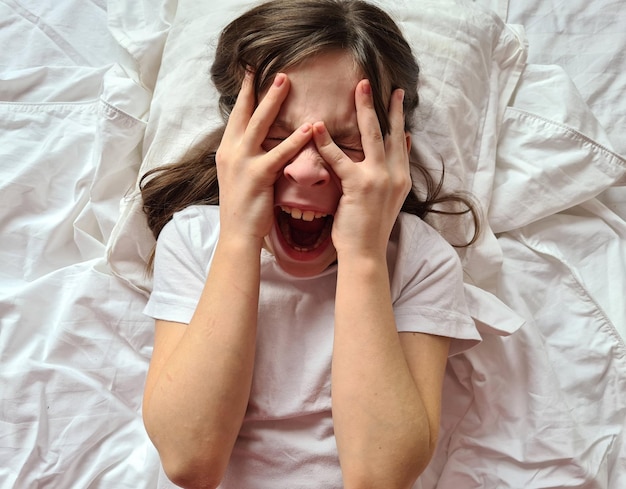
{"points": [[267, 110], [396, 140], [329, 151], [243, 108], [287, 149], [369, 125]]}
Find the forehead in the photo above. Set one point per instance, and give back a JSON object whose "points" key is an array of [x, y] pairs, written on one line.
{"points": [[322, 89]]}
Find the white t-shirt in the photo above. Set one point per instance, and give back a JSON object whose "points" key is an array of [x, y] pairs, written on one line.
{"points": [[287, 437]]}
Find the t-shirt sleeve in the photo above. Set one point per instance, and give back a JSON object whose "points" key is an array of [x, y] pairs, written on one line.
{"points": [[427, 286], [181, 261]]}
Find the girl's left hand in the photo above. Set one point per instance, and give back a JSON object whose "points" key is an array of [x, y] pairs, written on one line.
{"points": [[245, 170], [373, 189]]}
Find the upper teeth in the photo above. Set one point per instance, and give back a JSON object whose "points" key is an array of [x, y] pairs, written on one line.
{"points": [[300, 214]]}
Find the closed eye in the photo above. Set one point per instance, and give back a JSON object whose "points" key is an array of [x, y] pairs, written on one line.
{"points": [[348, 148], [271, 142], [355, 154], [350, 144]]}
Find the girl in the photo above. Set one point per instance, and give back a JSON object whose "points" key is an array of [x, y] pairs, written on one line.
{"points": [[303, 325]]}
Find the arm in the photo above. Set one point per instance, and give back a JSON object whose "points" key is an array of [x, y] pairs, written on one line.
{"points": [[200, 376], [386, 386]]}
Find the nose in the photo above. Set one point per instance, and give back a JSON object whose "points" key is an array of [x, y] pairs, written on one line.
{"points": [[307, 168]]}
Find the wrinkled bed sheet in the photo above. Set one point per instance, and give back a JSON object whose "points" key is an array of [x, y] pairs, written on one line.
{"points": [[545, 407]]}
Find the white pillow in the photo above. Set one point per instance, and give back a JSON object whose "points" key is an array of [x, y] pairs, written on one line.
{"points": [[470, 62]]}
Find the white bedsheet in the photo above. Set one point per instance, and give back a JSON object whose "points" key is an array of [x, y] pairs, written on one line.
{"points": [[545, 407], [74, 345]]}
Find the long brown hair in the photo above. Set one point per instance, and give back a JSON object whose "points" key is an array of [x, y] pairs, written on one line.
{"points": [[277, 35]]}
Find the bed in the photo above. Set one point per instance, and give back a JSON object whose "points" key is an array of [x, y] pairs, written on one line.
{"points": [[523, 99]]}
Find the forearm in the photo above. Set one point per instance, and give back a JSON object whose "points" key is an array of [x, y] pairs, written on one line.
{"points": [[381, 425], [199, 399]]}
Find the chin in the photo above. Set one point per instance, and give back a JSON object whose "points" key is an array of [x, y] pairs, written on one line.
{"points": [[306, 270]]}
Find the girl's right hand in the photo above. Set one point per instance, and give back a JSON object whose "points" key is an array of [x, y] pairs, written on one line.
{"points": [[246, 172], [374, 189]]}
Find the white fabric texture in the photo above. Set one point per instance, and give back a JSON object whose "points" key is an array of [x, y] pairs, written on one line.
{"points": [[74, 345], [586, 44], [425, 274], [90, 91], [545, 146], [287, 436]]}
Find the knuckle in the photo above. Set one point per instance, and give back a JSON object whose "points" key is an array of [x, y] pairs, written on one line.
{"points": [[372, 182], [376, 136], [330, 153], [400, 182], [255, 123], [281, 153], [405, 186]]}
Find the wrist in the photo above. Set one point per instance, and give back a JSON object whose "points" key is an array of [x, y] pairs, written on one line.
{"points": [[239, 240], [362, 266], [239, 247], [359, 257]]}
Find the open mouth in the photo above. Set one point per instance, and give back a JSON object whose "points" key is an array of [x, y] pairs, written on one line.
{"points": [[304, 231]]}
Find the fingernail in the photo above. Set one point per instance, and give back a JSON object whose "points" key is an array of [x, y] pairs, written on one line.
{"points": [[366, 87], [320, 128], [305, 128], [279, 79]]}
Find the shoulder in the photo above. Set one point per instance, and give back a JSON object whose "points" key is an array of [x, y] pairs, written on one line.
{"points": [[422, 264], [195, 215], [192, 224], [190, 236], [427, 286], [183, 252], [415, 243]]}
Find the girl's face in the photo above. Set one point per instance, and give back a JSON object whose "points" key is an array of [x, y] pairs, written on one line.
{"points": [[307, 193]]}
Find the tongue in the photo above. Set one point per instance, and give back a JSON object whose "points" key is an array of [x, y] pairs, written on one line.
{"points": [[305, 233]]}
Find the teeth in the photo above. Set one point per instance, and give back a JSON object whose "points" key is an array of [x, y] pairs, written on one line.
{"points": [[296, 213]]}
